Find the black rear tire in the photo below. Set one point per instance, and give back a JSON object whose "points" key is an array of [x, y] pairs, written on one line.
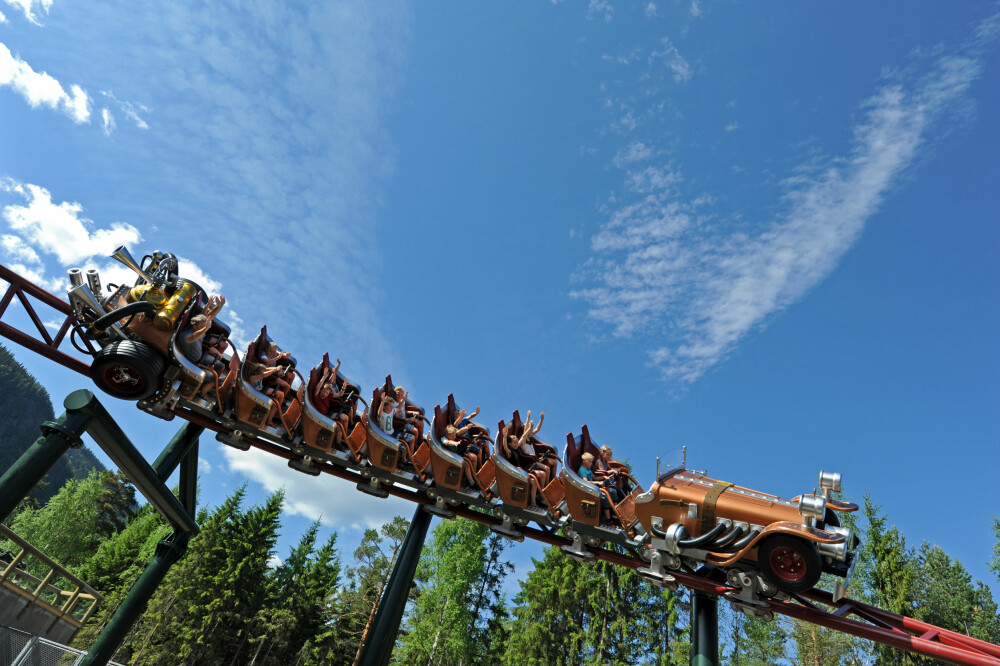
{"points": [[790, 563], [127, 370]]}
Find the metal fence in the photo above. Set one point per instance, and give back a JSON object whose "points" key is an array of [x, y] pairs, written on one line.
{"points": [[18, 648]]}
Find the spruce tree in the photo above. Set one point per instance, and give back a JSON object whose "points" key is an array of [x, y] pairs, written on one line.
{"points": [[888, 573], [300, 608], [948, 599], [117, 565], [206, 607]]}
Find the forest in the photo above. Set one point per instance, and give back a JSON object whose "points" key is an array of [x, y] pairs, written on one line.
{"points": [[233, 599]]}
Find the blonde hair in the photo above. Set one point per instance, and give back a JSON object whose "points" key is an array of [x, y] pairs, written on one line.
{"points": [[606, 449], [587, 456], [450, 431], [328, 386]]}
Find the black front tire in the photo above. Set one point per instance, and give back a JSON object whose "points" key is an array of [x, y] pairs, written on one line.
{"points": [[791, 563], [127, 370]]}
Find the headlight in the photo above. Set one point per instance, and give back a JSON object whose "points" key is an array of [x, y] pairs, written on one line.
{"points": [[812, 506], [838, 551], [829, 481]]}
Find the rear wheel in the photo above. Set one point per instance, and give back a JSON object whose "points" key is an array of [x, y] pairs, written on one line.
{"points": [[790, 563], [127, 370]]}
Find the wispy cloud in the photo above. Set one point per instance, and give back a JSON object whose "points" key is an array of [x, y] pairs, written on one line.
{"points": [[334, 500], [108, 124], [673, 60], [27, 7], [3, 19], [650, 9], [130, 109], [602, 9], [40, 89], [664, 268]]}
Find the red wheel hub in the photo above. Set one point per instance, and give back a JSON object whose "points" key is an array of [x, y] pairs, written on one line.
{"points": [[788, 563], [123, 379]]}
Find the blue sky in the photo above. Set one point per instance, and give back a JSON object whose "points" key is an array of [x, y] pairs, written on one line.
{"points": [[767, 233]]}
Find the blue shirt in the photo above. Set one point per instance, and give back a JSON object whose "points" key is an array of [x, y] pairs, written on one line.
{"points": [[586, 474]]}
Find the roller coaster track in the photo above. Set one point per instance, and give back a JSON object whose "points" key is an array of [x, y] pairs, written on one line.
{"points": [[815, 606]]}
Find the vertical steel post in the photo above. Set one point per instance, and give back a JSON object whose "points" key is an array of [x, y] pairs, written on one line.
{"points": [[378, 647], [58, 436], [168, 551], [704, 629]]}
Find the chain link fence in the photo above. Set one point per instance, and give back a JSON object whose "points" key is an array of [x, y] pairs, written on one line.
{"points": [[18, 648]]}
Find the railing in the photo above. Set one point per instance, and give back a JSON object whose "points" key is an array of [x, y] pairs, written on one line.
{"points": [[78, 602], [19, 648]]}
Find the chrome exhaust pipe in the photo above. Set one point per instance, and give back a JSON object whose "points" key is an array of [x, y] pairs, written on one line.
{"points": [[94, 282]]}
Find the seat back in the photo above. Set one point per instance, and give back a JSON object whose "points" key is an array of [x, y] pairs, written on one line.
{"points": [[573, 457]]}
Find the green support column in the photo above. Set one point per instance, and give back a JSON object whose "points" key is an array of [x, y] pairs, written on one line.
{"points": [[704, 629], [177, 450], [168, 551], [382, 636], [58, 436]]}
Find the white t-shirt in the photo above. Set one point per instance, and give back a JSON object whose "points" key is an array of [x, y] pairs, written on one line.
{"points": [[385, 422]]}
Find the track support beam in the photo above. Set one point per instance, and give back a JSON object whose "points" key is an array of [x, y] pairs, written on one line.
{"points": [[382, 636], [704, 629]]}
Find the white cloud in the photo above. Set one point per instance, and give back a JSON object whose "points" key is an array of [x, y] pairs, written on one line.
{"points": [[40, 89], [695, 9], [107, 122], [204, 467], [3, 19], [650, 9], [337, 501], [663, 267], [733, 126], [60, 229], [27, 8]]}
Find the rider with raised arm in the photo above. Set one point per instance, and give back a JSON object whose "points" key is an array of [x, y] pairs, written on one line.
{"points": [[331, 404]]}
